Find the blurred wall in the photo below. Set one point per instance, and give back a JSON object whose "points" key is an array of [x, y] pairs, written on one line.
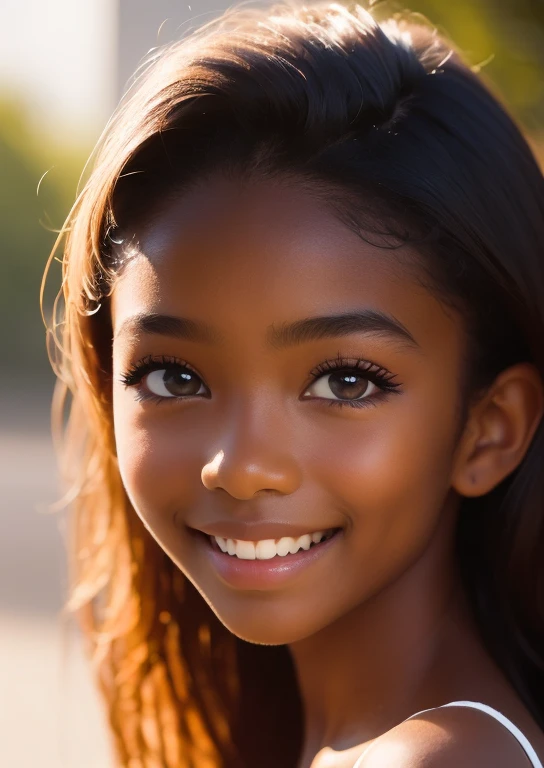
{"points": [[143, 25]]}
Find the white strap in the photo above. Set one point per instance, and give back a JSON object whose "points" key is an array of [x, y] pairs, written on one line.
{"points": [[514, 730]]}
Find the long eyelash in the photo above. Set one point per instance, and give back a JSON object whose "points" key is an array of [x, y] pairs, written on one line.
{"points": [[378, 375], [149, 363]]}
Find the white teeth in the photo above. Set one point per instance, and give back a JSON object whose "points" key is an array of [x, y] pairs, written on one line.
{"points": [[283, 546], [269, 548], [245, 550], [265, 549]]}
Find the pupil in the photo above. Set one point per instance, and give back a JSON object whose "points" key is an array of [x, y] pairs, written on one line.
{"points": [[348, 386], [181, 383]]}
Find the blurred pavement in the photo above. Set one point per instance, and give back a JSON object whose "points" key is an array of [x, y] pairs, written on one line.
{"points": [[50, 714]]}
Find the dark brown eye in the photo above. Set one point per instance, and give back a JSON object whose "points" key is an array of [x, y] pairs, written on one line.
{"points": [[174, 382], [343, 385]]}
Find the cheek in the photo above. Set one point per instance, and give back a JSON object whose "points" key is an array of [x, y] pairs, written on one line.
{"points": [[386, 462], [159, 458], [390, 477]]}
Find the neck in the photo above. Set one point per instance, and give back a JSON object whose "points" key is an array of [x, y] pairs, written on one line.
{"points": [[384, 660]]}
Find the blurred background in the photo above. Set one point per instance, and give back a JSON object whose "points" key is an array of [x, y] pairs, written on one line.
{"points": [[63, 67]]}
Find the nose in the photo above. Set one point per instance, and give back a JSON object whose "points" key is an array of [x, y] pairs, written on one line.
{"points": [[252, 456]]}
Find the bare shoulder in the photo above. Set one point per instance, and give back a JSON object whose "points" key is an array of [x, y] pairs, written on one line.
{"points": [[446, 738]]}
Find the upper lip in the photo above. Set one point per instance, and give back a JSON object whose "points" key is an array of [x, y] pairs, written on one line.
{"points": [[234, 529]]}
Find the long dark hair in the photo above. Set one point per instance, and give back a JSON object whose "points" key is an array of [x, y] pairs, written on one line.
{"points": [[403, 140]]}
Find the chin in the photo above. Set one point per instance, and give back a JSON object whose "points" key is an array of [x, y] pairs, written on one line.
{"points": [[261, 632], [264, 619]]}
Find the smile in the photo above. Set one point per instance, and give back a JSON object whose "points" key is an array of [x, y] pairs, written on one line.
{"points": [[269, 548], [247, 569]]}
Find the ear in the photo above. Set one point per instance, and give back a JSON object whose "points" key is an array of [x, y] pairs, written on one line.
{"points": [[499, 430]]}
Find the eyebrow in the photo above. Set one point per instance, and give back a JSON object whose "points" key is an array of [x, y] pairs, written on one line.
{"points": [[285, 335]]}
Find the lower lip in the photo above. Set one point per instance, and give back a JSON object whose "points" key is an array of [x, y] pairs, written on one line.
{"points": [[263, 574]]}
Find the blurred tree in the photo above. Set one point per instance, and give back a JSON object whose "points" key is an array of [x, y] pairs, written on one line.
{"points": [[26, 238], [506, 37]]}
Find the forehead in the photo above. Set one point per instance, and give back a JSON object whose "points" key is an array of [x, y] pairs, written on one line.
{"points": [[245, 255]]}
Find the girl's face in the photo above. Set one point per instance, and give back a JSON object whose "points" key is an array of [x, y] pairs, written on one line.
{"points": [[304, 382]]}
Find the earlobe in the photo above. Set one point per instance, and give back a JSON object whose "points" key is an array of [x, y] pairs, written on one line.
{"points": [[499, 430]]}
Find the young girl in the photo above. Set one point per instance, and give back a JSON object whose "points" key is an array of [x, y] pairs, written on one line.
{"points": [[303, 321]]}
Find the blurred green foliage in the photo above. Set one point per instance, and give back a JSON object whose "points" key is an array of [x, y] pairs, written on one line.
{"points": [[507, 36], [27, 221]]}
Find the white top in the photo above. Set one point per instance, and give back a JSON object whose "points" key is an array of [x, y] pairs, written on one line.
{"points": [[514, 730]]}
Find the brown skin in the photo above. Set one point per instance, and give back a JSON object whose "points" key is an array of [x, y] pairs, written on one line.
{"points": [[378, 627]]}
